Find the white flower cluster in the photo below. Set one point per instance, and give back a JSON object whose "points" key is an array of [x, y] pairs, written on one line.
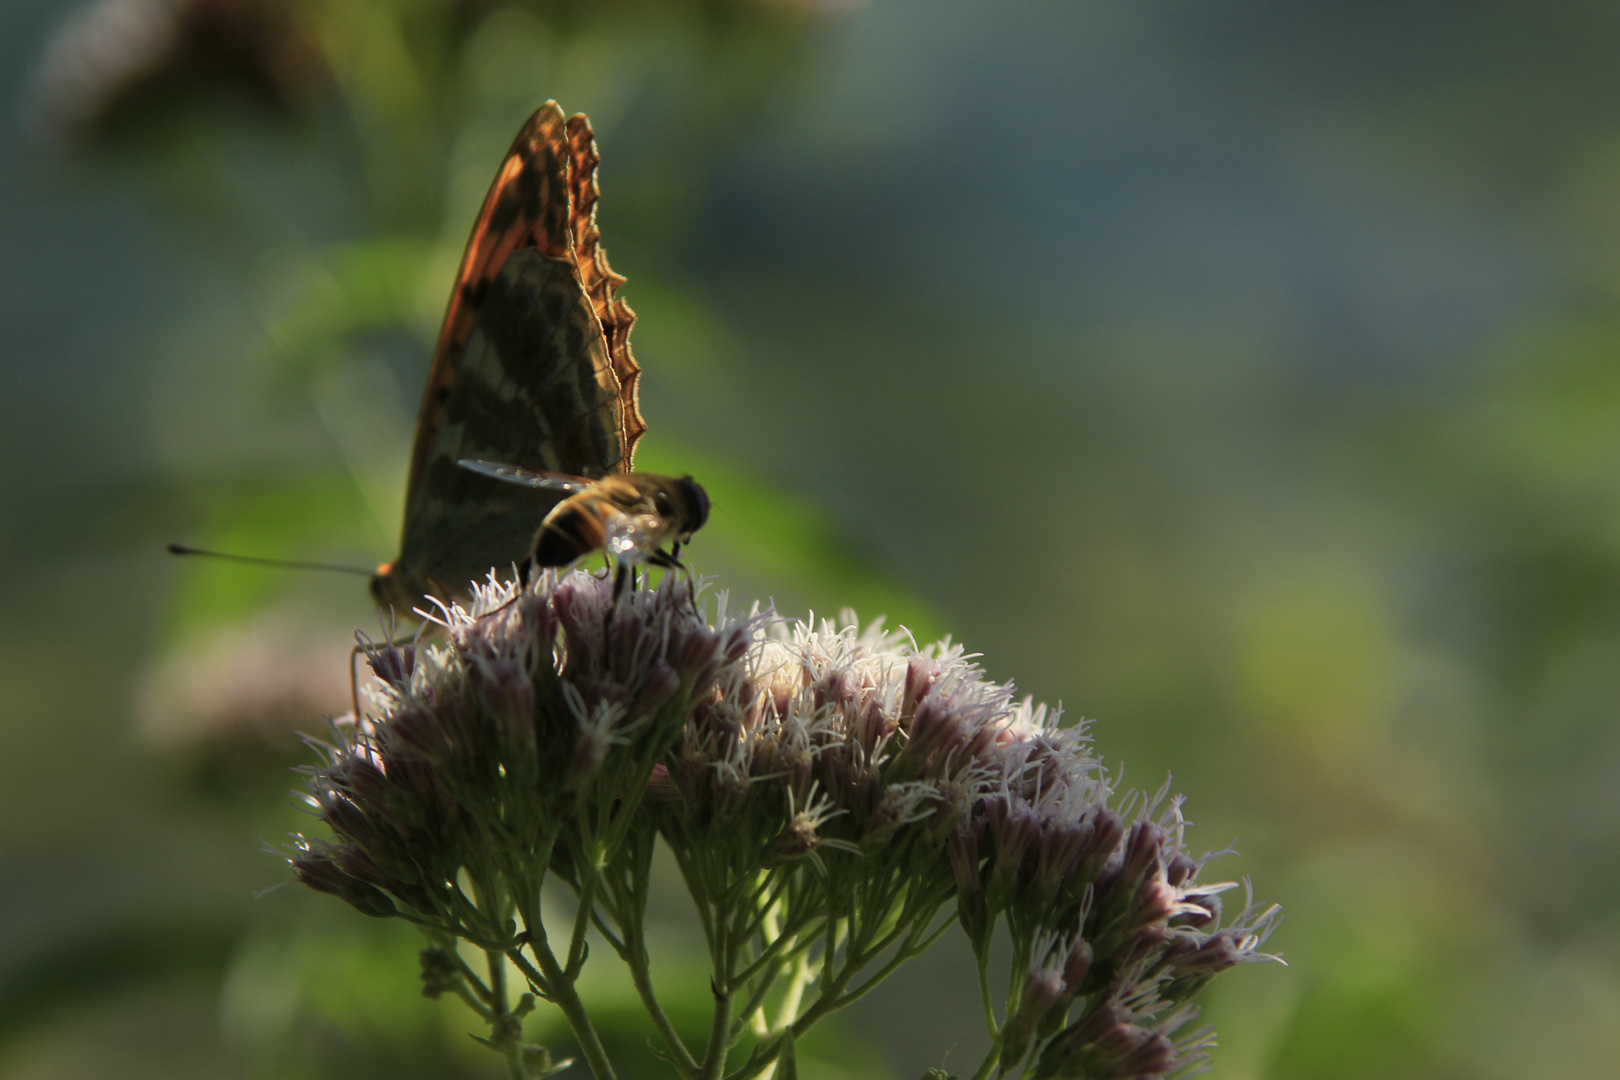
{"points": [[827, 792]]}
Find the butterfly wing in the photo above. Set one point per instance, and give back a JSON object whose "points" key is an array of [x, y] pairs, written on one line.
{"points": [[599, 279], [532, 368]]}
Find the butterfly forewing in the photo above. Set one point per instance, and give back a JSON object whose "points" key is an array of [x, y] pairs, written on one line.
{"points": [[532, 369]]}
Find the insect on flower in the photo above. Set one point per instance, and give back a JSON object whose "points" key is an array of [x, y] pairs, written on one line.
{"points": [[530, 415], [628, 516]]}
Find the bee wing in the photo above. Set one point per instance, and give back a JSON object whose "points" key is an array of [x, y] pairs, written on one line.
{"points": [[632, 537], [527, 477]]}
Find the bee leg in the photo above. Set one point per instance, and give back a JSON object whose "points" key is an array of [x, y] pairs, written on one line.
{"points": [[623, 581], [669, 561], [691, 582]]}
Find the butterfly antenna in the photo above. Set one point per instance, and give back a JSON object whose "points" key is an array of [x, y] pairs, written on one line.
{"points": [[283, 564]]}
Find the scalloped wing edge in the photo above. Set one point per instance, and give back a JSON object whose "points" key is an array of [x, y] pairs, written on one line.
{"points": [[601, 283]]}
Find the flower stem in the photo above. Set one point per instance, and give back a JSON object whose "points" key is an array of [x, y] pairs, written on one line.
{"points": [[636, 958], [803, 975], [981, 953], [988, 1065], [641, 976], [582, 922], [559, 985], [566, 999], [714, 1055]]}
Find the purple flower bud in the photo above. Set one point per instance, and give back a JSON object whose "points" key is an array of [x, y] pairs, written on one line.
{"points": [[1106, 831], [345, 818], [661, 787], [962, 848], [921, 671], [1041, 991], [1013, 826], [1077, 964], [1140, 1053], [1215, 954], [591, 743], [1179, 869], [1142, 853], [1198, 912], [931, 737], [319, 871], [797, 839], [508, 693], [1073, 1053], [393, 664], [357, 864], [1155, 903], [882, 821], [657, 687], [418, 730], [871, 727], [1058, 848]]}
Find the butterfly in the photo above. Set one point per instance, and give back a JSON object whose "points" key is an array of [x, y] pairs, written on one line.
{"points": [[532, 371]]}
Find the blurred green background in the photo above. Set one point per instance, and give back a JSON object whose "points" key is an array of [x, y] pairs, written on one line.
{"points": [[1245, 376]]}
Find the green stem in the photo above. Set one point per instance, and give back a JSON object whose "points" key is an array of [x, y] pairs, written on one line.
{"points": [[794, 997], [633, 951], [582, 922], [613, 940], [537, 981], [714, 1055], [465, 993], [566, 999], [501, 1021], [981, 953], [988, 1065], [641, 976], [786, 943], [558, 986], [751, 1006], [866, 987], [467, 973], [496, 963]]}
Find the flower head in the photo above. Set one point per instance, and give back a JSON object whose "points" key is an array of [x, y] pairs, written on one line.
{"points": [[827, 774], [544, 705]]}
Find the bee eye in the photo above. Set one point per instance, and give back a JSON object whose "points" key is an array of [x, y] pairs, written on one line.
{"points": [[661, 504]]}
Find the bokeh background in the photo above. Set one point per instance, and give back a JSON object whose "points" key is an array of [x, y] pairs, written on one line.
{"points": [[1245, 376]]}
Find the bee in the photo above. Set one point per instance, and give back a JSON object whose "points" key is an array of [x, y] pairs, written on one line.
{"points": [[629, 517]]}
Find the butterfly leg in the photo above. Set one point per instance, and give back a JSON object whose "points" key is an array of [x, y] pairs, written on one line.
{"points": [[365, 648], [364, 645], [359, 649]]}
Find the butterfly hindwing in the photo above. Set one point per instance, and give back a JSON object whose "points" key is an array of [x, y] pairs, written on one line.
{"points": [[532, 368], [599, 279]]}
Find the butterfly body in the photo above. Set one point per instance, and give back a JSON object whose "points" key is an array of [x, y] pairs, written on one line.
{"points": [[532, 368]]}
